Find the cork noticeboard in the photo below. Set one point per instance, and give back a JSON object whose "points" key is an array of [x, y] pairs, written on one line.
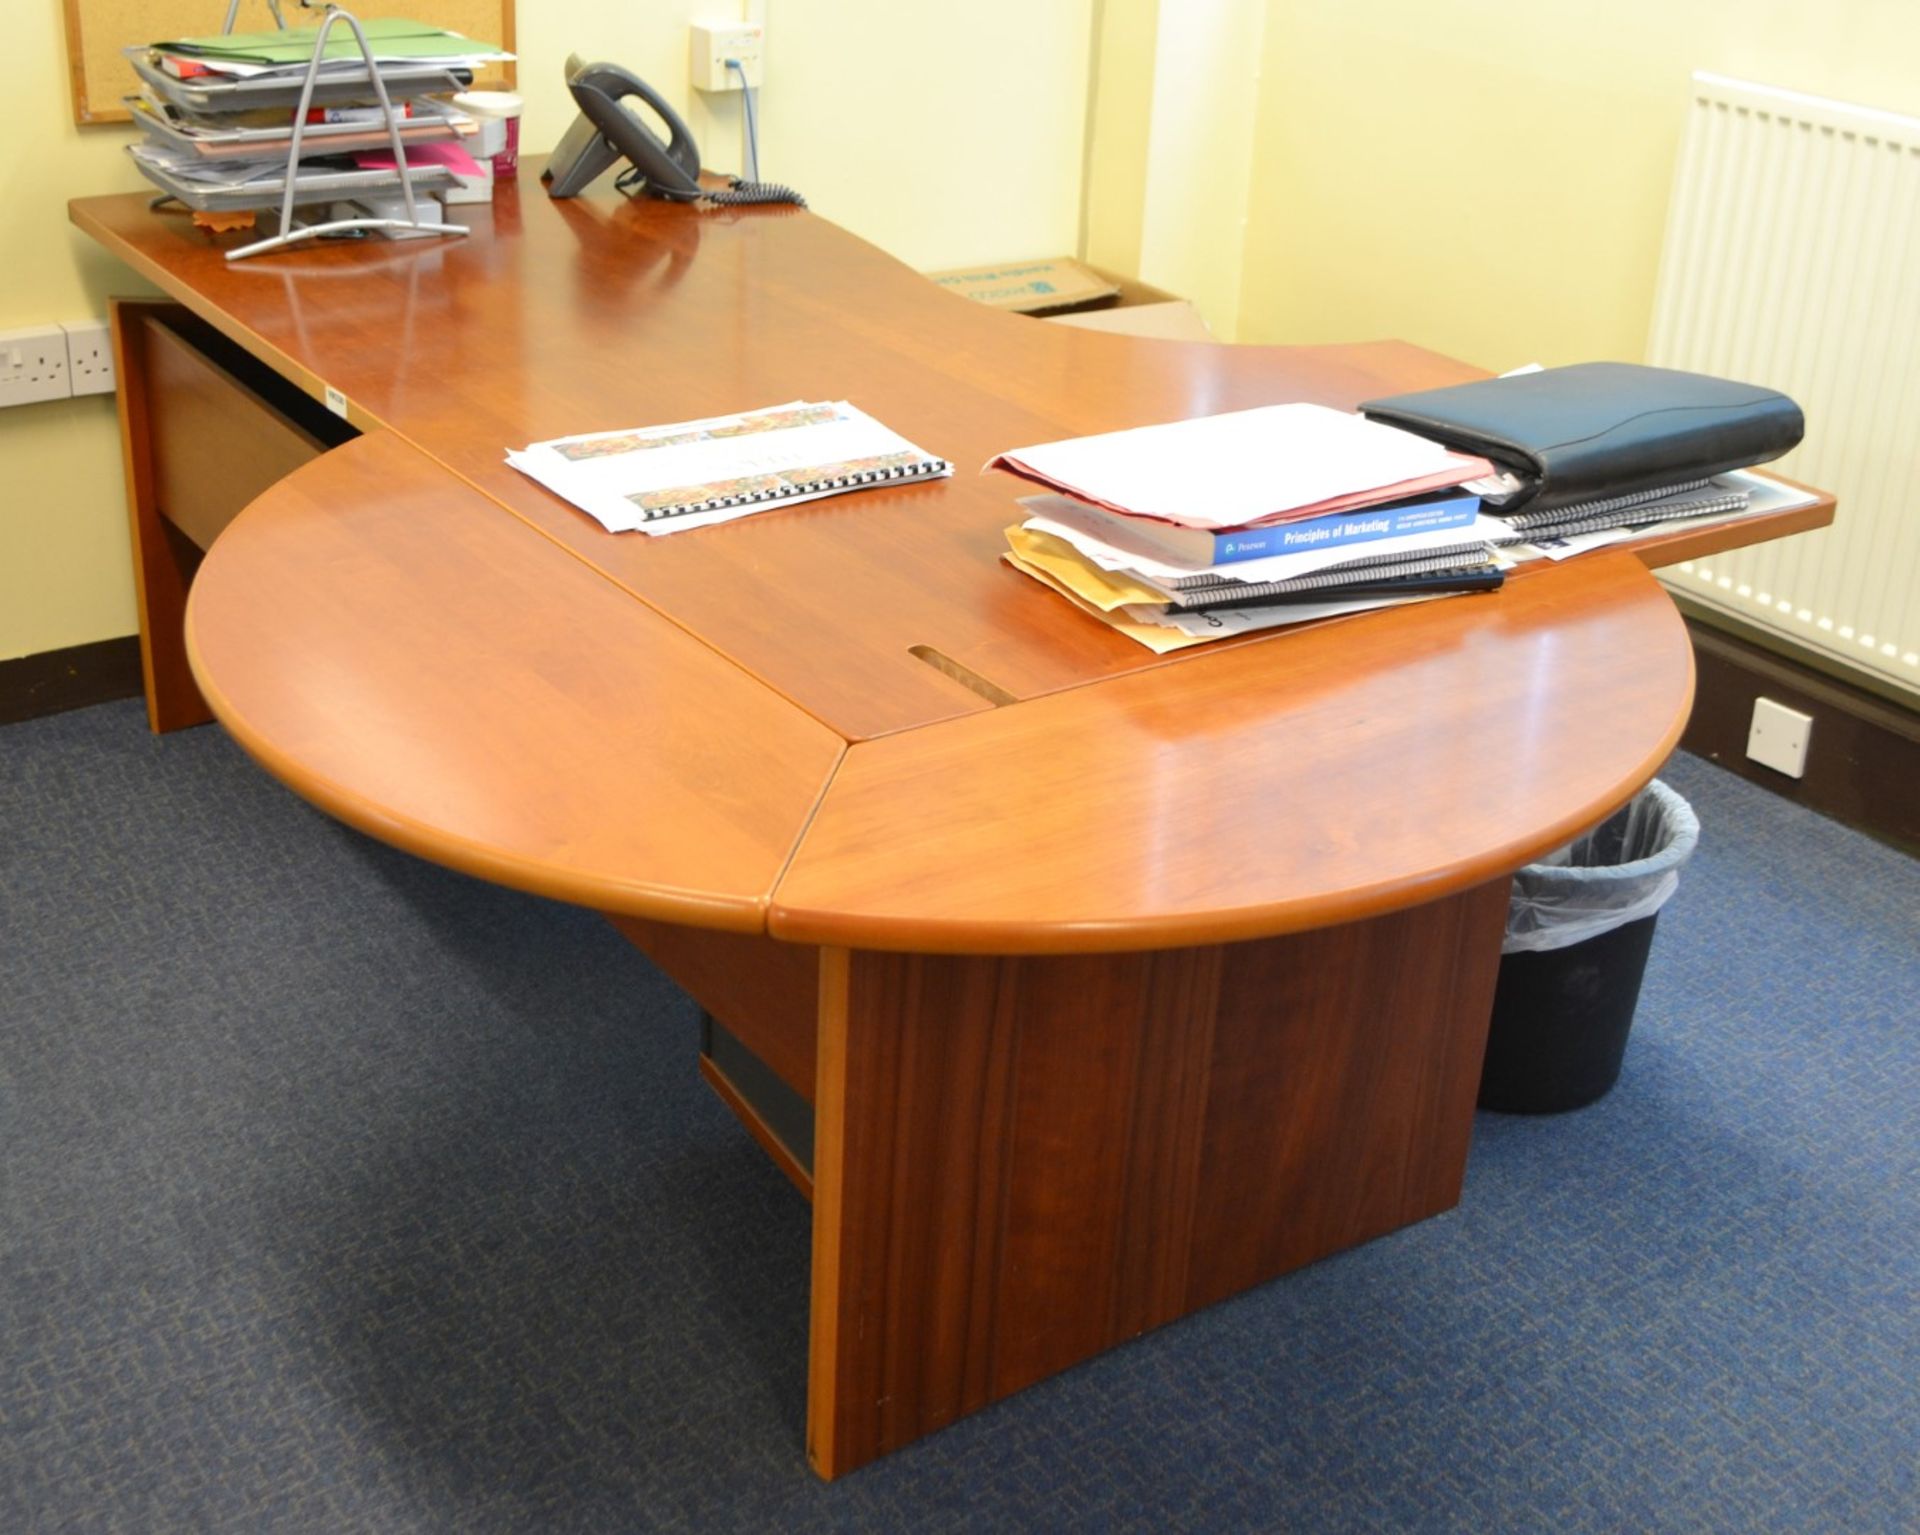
{"points": [[98, 29]]}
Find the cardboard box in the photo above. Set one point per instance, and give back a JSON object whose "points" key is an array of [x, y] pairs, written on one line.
{"points": [[1031, 287], [1060, 288], [1169, 320]]}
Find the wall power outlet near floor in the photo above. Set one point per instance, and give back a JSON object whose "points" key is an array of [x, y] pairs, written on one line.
{"points": [[90, 356], [1778, 737], [33, 365], [51, 362]]}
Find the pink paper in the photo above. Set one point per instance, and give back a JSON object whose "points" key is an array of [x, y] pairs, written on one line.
{"points": [[451, 155]]}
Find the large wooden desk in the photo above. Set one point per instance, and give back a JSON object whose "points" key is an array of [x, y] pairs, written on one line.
{"points": [[1114, 984]]}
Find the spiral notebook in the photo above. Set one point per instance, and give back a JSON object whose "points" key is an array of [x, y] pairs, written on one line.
{"points": [[1583, 510], [1715, 500], [665, 479], [1358, 575]]}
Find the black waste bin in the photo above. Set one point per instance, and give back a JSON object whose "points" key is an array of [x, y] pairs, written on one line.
{"points": [[1579, 928]]}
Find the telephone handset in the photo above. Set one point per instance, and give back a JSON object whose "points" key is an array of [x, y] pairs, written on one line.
{"points": [[607, 130]]}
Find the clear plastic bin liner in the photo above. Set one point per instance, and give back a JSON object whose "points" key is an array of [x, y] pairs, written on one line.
{"points": [[1622, 870]]}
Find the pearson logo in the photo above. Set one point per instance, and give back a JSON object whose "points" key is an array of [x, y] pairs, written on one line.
{"points": [[1228, 549]]}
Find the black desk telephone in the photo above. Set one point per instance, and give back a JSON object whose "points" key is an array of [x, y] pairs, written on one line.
{"points": [[608, 129]]}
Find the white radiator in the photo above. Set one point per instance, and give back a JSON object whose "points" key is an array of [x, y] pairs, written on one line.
{"points": [[1792, 259]]}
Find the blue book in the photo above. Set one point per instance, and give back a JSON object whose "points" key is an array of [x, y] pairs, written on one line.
{"points": [[1203, 548]]}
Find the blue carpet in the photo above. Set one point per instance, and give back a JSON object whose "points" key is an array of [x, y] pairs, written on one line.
{"points": [[338, 1192]]}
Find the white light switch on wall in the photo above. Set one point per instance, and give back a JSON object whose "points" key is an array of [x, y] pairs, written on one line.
{"points": [[1778, 737]]}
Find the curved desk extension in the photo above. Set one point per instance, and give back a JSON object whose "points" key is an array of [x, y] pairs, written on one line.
{"points": [[431, 670], [425, 667]]}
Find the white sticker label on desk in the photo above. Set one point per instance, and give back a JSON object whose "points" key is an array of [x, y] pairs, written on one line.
{"points": [[336, 402]]}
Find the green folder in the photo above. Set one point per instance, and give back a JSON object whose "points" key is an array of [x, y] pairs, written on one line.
{"points": [[391, 37]]}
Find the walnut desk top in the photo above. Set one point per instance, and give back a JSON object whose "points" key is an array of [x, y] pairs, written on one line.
{"points": [[847, 723]]}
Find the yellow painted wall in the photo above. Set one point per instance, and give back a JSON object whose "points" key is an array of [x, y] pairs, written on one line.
{"points": [[1490, 177], [1175, 97], [893, 119], [1206, 101], [63, 541], [945, 136], [1119, 133]]}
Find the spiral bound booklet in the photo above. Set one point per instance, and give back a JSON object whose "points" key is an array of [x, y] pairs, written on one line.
{"points": [[665, 479]]}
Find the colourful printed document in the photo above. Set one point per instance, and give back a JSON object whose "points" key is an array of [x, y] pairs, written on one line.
{"points": [[666, 479]]}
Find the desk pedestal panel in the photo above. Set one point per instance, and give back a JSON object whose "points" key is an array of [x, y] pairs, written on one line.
{"points": [[1021, 1162]]}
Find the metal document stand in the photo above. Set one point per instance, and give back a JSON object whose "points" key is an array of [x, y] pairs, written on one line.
{"points": [[290, 234], [233, 15]]}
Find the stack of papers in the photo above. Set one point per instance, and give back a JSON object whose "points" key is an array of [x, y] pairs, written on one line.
{"points": [[249, 55], [238, 185], [692, 474], [1167, 606], [1246, 468], [262, 133], [1193, 531], [217, 113]]}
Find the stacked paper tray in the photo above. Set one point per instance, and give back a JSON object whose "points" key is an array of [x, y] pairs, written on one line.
{"points": [[346, 81], [430, 122], [312, 185]]}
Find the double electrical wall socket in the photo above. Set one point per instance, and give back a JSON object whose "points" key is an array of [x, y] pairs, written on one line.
{"points": [[33, 365], [90, 356], [713, 43]]}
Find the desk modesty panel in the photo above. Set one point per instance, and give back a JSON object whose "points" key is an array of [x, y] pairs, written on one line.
{"points": [[1112, 983]]}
